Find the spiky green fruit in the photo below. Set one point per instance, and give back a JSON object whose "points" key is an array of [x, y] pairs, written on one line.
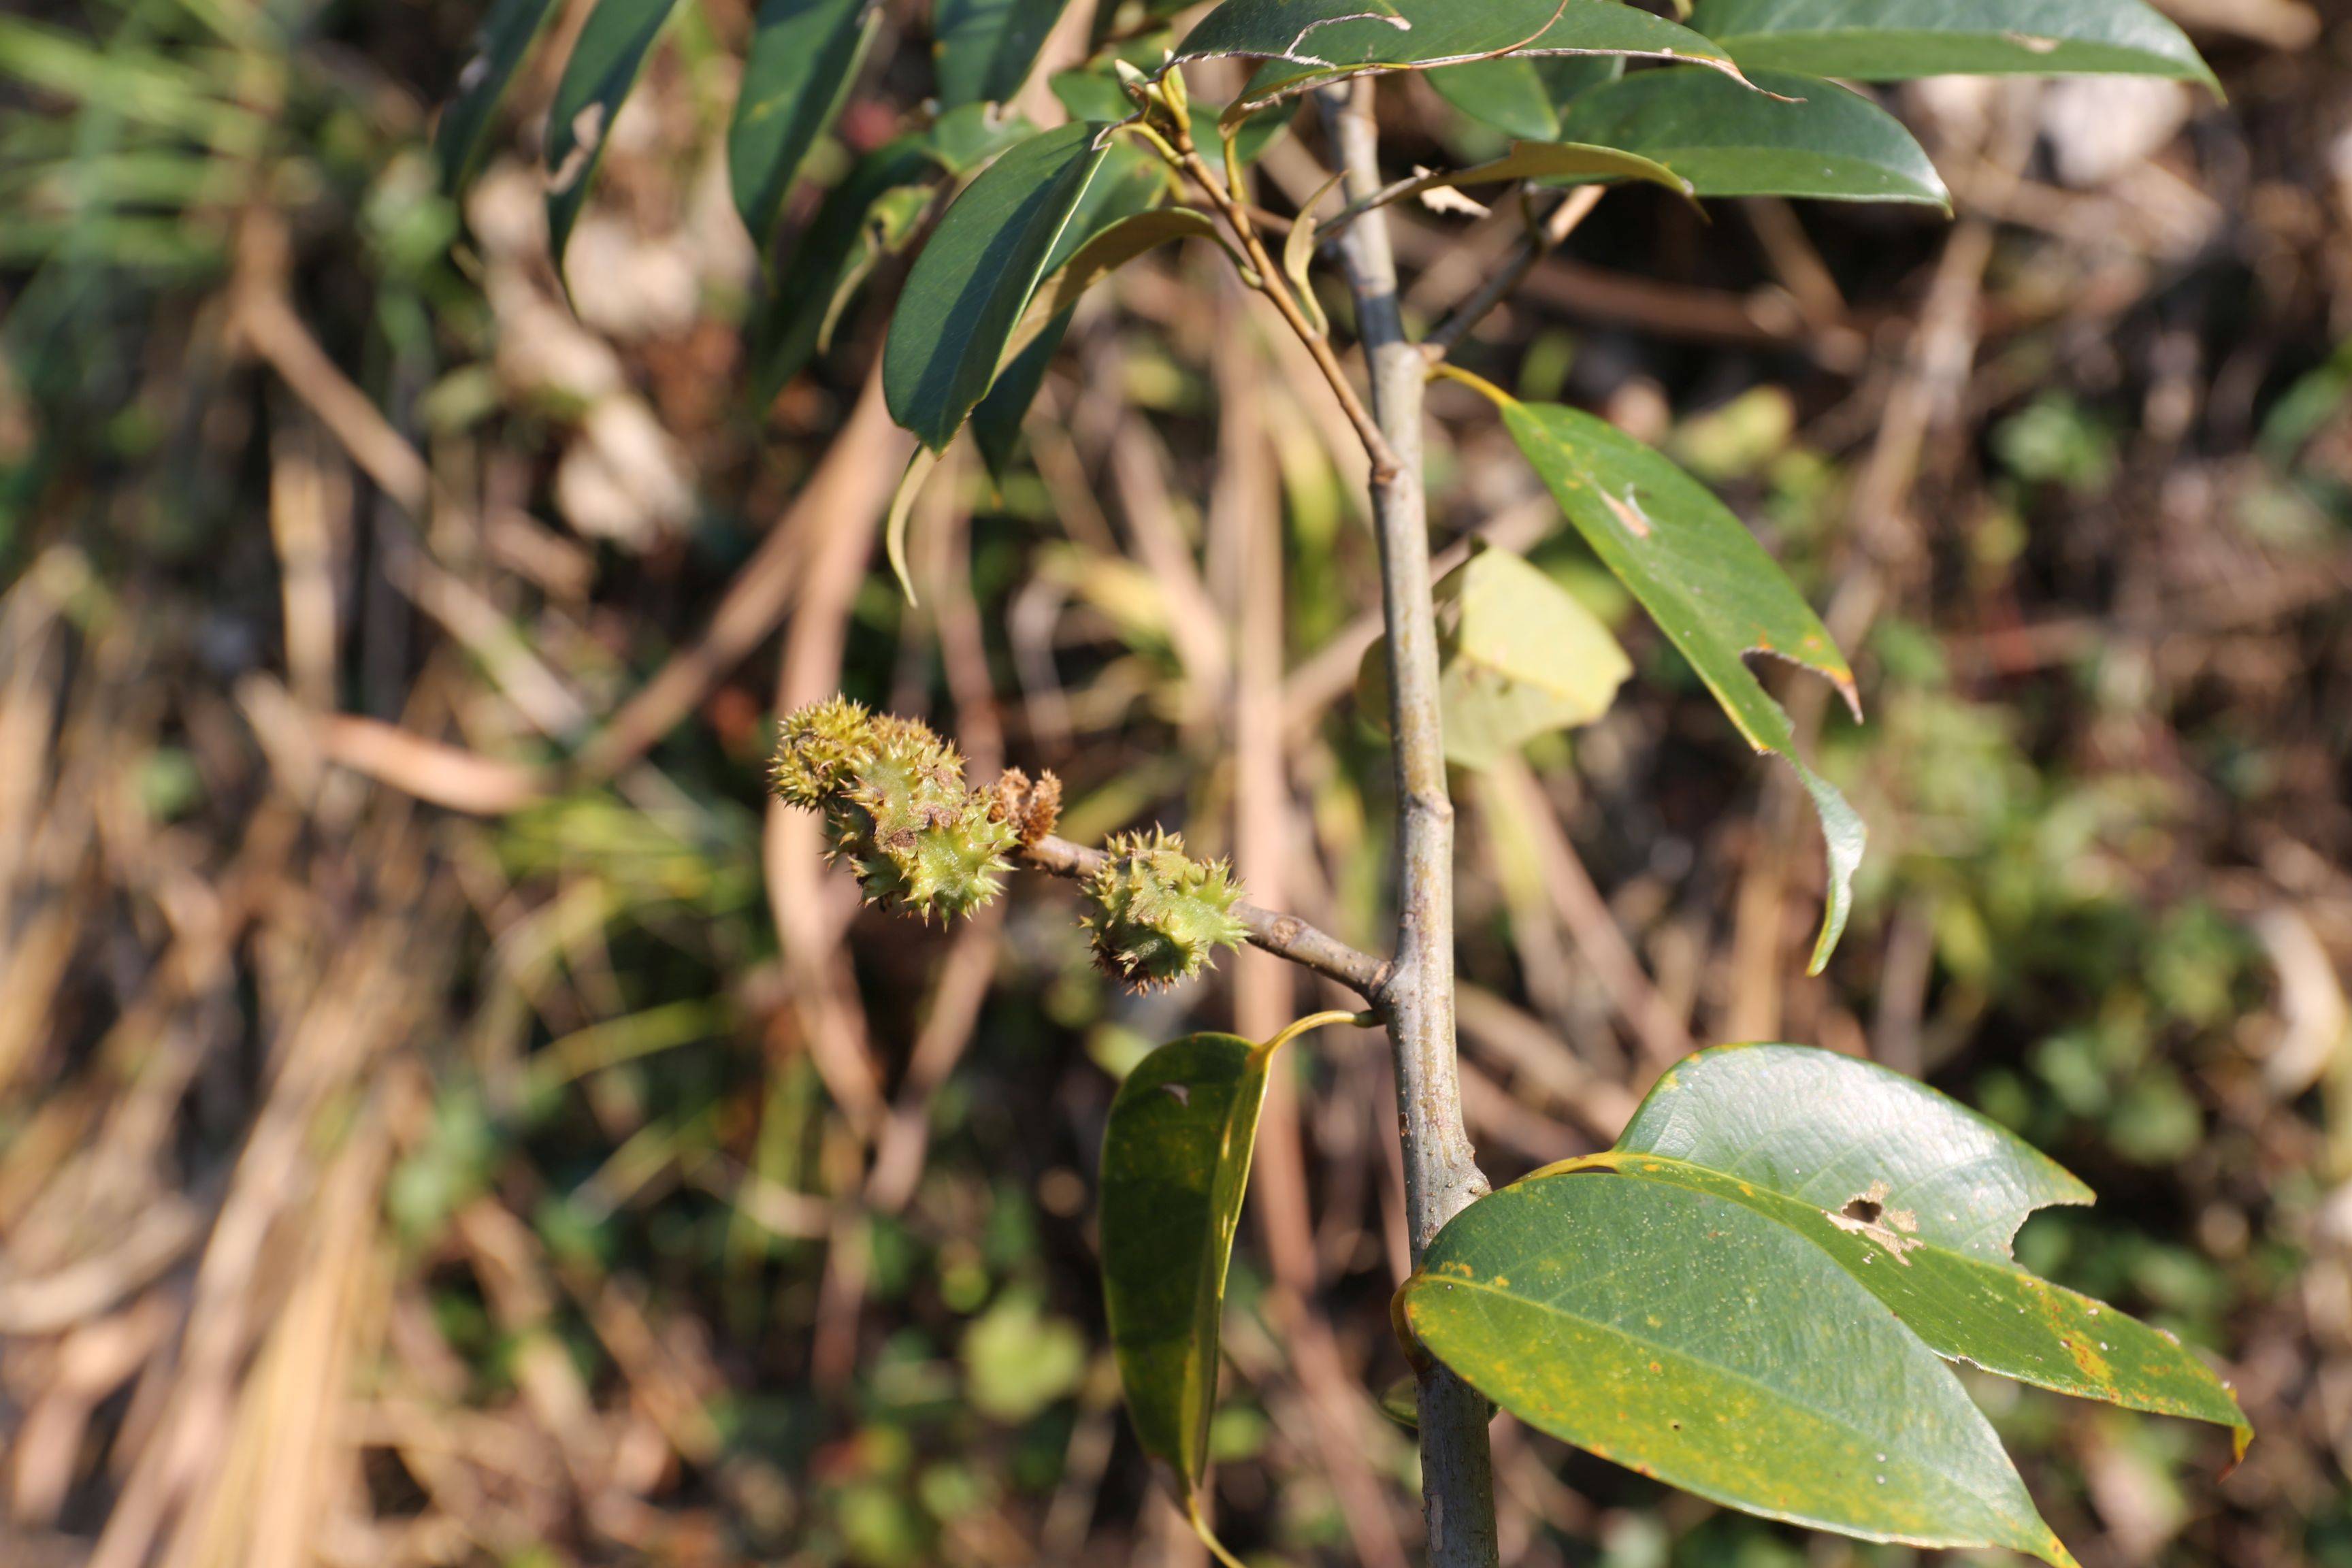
{"points": [[1161, 915], [819, 750], [895, 806]]}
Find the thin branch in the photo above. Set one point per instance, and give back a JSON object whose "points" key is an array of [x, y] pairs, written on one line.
{"points": [[1442, 1175], [1285, 936], [1275, 285]]}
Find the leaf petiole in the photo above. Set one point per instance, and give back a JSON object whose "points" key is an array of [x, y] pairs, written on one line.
{"points": [[1263, 1054]]}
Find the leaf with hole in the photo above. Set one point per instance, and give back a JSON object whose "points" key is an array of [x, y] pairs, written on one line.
{"points": [[596, 80], [1524, 95], [1518, 657], [984, 48], [1917, 1197], [1710, 587], [803, 58], [1692, 1339], [1889, 40], [1304, 42], [972, 283], [1799, 137], [1176, 1158], [498, 48]]}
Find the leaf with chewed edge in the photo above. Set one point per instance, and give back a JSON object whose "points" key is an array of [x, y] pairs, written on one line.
{"points": [[1916, 1197], [1692, 1339], [1710, 587], [596, 80], [1304, 42]]}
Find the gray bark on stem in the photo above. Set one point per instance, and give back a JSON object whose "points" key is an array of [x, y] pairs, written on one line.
{"points": [[1441, 1175]]}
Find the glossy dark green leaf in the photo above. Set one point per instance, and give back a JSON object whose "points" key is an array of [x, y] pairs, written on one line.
{"points": [[596, 80], [1307, 41], [1176, 1158], [1524, 95], [1916, 1197], [804, 55], [1710, 587], [505, 37], [1693, 1339], [1518, 657], [1806, 138], [984, 48], [1118, 219], [973, 282], [1888, 40]]}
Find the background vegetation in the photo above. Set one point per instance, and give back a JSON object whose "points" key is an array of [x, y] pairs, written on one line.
{"points": [[443, 1118]]}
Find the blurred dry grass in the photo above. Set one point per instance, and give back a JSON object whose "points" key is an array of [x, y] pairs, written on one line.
{"points": [[443, 1120]]}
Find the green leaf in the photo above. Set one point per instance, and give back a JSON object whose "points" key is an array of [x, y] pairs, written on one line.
{"points": [[1176, 1157], [1091, 94], [602, 69], [1712, 590], [1523, 95], [1890, 40], [964, 139], [1812, 138], [1520, 656], [1131, 184], [803, 58], [1917, 1198], [1822, 1127], [973, 282], [1175, 1163], [1304, 42], [505, 37], [1122, 242], [985, 47], [1692, 1339]]}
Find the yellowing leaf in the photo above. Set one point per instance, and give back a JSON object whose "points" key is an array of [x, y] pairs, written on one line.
{"points": [[1520, 656], [1692, 1339]]}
